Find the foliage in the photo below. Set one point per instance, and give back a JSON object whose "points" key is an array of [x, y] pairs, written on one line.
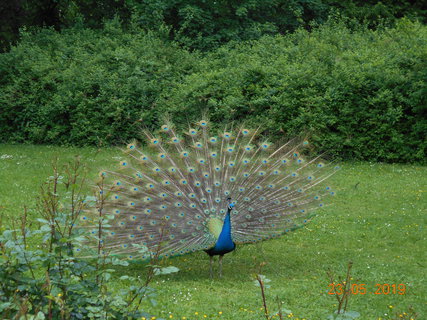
{"points": [[205, 25], [199, 24], [49, 281], [359, 94], [25, 14], [85, 87], [58, 14], [375, 13]]}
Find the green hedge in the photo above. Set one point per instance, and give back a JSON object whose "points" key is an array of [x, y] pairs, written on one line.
{"points": [[359, 93], [84, 87]]}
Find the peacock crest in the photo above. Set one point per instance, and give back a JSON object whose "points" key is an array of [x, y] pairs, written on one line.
{"points": [[179, 189]]}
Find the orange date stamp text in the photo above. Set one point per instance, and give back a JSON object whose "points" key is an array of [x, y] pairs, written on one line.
{"points": [[380, 288]]}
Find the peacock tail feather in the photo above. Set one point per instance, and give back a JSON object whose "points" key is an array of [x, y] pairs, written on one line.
{"points": [[174, 192]]}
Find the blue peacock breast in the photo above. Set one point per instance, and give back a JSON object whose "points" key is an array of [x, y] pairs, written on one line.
{"points": [[225, 243], [222, 246]]}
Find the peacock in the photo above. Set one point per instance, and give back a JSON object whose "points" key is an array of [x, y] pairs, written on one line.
{"points": [[205, 189]]}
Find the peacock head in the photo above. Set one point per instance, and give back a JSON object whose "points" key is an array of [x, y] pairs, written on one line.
{"points": [[230, 204]]}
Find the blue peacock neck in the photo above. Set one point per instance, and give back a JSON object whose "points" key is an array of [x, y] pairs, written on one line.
{"points": [[225, 243]]}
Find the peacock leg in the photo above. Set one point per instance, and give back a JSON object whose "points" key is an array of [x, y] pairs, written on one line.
{"points": [[211, 266], [220, 265]]}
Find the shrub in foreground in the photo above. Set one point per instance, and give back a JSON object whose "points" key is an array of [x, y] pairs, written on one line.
{"points": [[42, 278]]}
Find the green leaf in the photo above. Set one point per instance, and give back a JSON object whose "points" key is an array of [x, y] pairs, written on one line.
{"points": [[5, 305], [45, 228], [118, 262], [166, 270]]}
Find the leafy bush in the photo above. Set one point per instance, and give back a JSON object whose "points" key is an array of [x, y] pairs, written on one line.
{"points": [[83, 86], [50, 281], [359, 93]]}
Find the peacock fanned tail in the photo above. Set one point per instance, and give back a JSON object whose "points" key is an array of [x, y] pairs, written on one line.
{"points": [[172, 196]]}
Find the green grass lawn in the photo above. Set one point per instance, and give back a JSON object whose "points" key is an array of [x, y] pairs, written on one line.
{"points": [[377, 220]]}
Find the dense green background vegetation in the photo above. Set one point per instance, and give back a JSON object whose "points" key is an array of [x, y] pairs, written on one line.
{"points": [[197, 23], [351, 75], [359, 93]]}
